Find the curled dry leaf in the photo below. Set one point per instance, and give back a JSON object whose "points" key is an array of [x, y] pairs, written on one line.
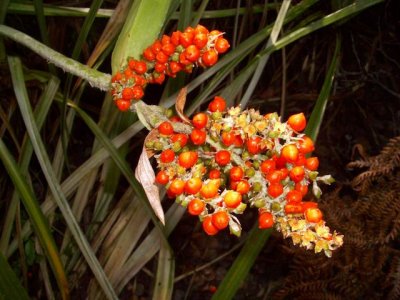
{"points": [[144, 173], [180, 105]]}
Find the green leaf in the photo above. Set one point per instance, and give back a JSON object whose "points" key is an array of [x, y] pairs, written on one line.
{"points": [[317, 115], [242, 264], [142, 26], [10, 287]]}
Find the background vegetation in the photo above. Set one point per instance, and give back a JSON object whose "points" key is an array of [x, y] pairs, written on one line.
{"points": [[76, 224]]}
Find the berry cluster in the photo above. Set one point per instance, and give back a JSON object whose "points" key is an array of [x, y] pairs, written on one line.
{"points": [[171, 54], [233, 159]]}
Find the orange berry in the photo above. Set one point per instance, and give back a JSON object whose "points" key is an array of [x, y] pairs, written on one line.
{"points": [[290, 153], [193, 185], [209, 227], [243, 187], [220, 219], [313, 215], [196, 207], [188, 159], [294, 196], [306, 145], [210, 189], [177, 186], [232, 199], [200, 120], [297, 174], [297, 122], [312, 163]]}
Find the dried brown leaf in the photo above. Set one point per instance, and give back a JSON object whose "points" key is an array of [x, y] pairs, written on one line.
{"points": [[144, 173], [180, 105]]}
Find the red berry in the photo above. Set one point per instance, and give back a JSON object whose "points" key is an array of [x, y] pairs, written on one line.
{"points": [[200, 40], [209, 227], [253, 144], [236, 173], [265, 220], [162, 177], [186, 39], [192, 53], [275, 190], [218, 104], [122, 104], [140, 67], [137, 92], [227, 138], [148, 54], [200, 120], [293, 208], [268, 166], [180, 138], [306, 145], [167, 156], [198, 136], [209, 58], [214, 174], [223, 157], [165, 128]]}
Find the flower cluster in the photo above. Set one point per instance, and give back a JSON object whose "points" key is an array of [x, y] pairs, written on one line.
{"points": [[233, 159], [181, 51]]}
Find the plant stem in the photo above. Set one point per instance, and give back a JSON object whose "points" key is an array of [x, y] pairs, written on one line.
{"points": [[94, 77]]}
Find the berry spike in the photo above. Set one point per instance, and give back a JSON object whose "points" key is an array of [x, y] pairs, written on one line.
{"points": [[180, 52]]}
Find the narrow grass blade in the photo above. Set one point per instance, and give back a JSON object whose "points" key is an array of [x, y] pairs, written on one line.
{"points": [[242, 264], [263, 61], [10, 287], [185, 14], [26, 153], [39, 12], [199, 13], [148, 248], [39, 221], [165, 275], [315, 120], [59, 197]]}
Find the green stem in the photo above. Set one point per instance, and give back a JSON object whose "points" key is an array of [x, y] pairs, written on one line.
{"points": [[94, 77]]}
